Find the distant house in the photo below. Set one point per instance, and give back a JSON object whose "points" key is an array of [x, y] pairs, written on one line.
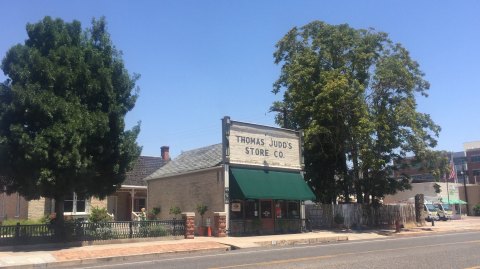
{"points": [[131, 197]]}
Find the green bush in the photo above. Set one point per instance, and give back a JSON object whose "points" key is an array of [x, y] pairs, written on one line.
{"points": [[153, 231], [202, 209], [8, 222], [175, 210], [99, 215], [476, 210], [152, 214]]}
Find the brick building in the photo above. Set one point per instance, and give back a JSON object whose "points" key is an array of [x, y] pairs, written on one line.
{"points": [[472, 157]]}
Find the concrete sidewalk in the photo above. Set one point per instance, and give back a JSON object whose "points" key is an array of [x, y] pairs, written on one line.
{"points": [[55, 256]]}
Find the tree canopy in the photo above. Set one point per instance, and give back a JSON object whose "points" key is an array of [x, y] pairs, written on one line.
{"points": [[353, 92], [62, 113]]}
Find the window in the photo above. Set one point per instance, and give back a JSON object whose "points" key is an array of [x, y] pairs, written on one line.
{"points": [[251, 209], [293, 210], [236, 209], [476, 172], [475, 159], [280, 209], [74, 203], [459, 160], [138, 204]]}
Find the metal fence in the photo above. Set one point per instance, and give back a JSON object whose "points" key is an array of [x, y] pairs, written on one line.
{"points": [[358, 215], [85, 231]]}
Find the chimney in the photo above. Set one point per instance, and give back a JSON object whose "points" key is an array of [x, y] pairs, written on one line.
{"points": [[165, 152]]}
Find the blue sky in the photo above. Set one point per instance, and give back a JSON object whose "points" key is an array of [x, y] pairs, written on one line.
{"points": [[202, 60]]}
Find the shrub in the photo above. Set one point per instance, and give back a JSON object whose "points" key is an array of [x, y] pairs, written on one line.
{"points": [[99, 215], [152, 214], [476, 210], [153, 231], [202, 209], [9, 222], [175, 210]]}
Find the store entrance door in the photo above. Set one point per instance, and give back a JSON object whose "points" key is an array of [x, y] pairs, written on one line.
{"points": [[266, 216]]}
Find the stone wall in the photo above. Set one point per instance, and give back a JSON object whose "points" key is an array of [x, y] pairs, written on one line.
{"points": [[187, 191], [38, 208]]}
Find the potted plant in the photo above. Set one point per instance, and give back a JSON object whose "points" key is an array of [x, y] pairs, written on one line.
{"points": [[152, 214], [202, 209], [175, 210]]}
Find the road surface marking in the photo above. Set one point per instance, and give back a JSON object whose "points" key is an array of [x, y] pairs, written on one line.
{"points": [[259, 264]]}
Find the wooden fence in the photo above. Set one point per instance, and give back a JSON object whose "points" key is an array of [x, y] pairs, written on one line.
{"points": [[358, 215]]}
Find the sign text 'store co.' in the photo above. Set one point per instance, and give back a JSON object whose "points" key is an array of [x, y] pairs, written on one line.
{"points": [[264, 147]]}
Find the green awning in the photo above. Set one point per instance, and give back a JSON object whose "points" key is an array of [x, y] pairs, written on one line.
{"points": [[263, 184], [454, 201]]}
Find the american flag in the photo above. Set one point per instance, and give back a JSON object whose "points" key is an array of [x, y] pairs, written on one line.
{"points": [[453, 174]]}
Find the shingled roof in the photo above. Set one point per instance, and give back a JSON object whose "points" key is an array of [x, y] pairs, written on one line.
{"points": [[191, 160], [144, 166]]}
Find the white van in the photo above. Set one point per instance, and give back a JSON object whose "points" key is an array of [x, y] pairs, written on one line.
{"points": [[444, 212], [431, 212]]}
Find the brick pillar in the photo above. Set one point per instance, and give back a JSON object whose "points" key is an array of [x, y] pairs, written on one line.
{"points": [[189, 218], [220, 224]]}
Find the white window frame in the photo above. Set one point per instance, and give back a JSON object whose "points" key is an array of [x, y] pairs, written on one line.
{"points": [[136, 203], [74, 205]]}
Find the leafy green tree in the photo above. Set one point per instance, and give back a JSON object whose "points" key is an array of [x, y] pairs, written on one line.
{"points": [[353, 92], [62, 111]]}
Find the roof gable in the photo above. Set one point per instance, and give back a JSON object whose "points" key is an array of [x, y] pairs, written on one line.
{"points": [[144, 166], [191, 160]]}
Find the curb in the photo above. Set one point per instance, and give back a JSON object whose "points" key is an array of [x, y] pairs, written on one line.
{"points": [[410, 233], [130, 258], [153, 256], [307, 241]]}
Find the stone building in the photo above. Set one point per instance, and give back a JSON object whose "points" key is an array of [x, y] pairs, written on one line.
{"points": [[254, 177]]}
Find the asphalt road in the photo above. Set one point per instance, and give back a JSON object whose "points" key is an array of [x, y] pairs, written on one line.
{"points": [[454, 250]]}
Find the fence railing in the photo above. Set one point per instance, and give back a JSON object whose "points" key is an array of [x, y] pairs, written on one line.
{"points": [[85, 231]]}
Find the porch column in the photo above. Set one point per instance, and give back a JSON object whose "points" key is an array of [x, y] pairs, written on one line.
{"points": [[133, 199], [189, 219]]}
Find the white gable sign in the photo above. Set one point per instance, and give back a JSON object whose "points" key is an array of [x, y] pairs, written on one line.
{"points": [[252, 144]]}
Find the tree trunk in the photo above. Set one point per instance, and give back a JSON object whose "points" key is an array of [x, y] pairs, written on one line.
{"points": [[366, 188], [59, 222], [356, 175]]}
